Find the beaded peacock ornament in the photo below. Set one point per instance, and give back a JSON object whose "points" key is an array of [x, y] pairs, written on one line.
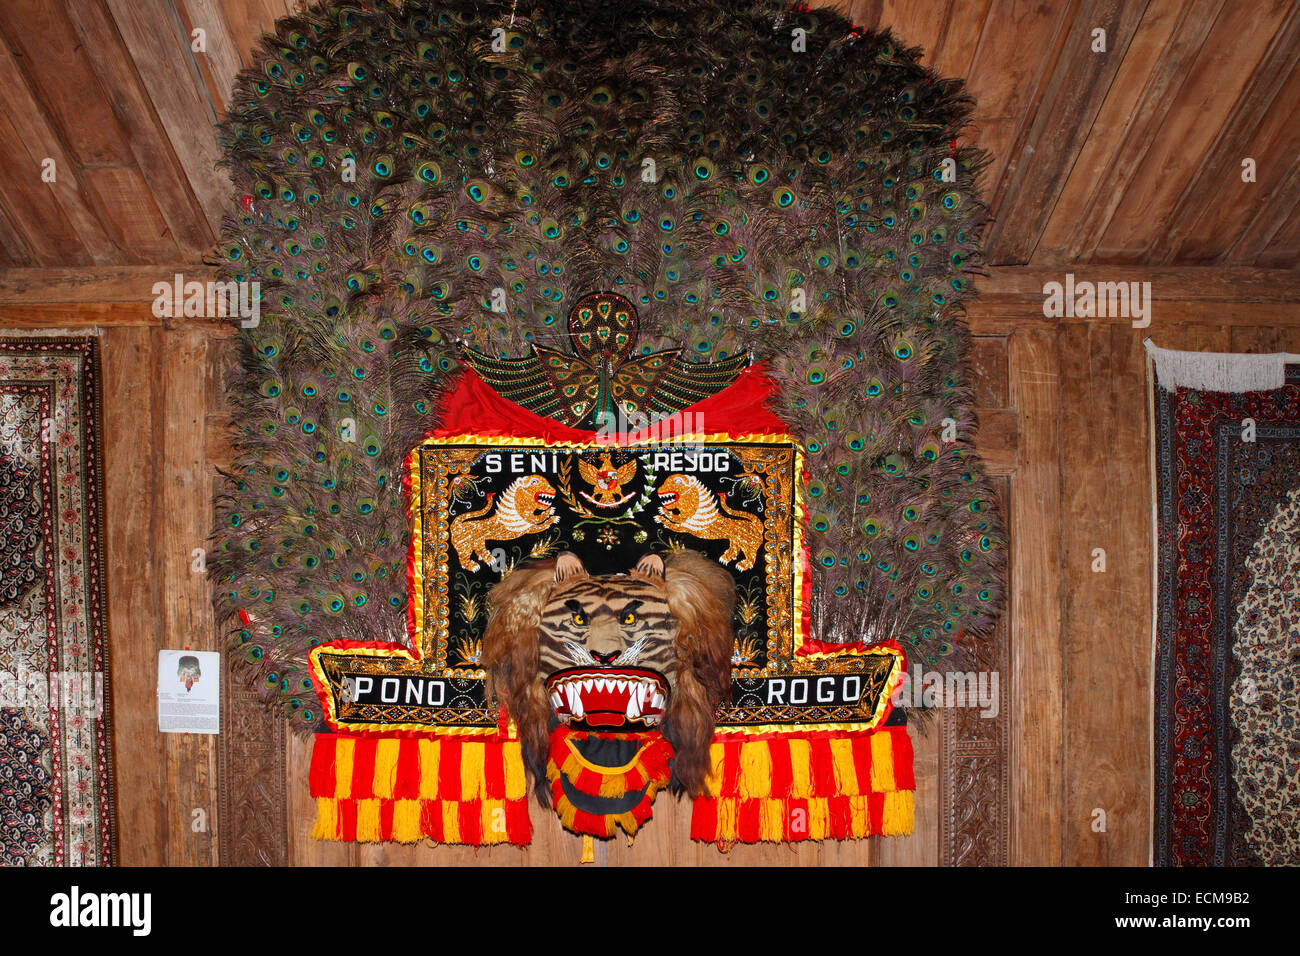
{"points": [[428, 185]]}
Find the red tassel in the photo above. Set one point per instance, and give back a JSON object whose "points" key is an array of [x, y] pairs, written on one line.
{"points": [[471, 821], [431, 820], [320, 779], [519, 828], [347, 820], [407, 784], [904, 775], [782, 771], [730, 784], [861, 746], [747, 822], [494, 773], [363, 768], [840, 817], [449, 772], [704, 820], [796, 812], [822, 779], [386, 818], [876, 807]]}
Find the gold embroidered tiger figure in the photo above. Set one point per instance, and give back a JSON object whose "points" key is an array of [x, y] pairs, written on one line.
{"points": [[688, 507], [523, 508]]}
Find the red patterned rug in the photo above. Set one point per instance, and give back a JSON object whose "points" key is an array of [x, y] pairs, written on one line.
{"points": [[56, 791], [1227, 678]]}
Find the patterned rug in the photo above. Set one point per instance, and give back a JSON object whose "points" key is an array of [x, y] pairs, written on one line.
{"points": [[56, 793], [1227, 752]]}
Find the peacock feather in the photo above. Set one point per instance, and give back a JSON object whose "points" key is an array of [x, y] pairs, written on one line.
{"points": [[760, 182]]}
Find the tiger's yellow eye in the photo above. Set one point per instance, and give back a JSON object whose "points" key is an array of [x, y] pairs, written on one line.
{"points": [[579, 619], [629, 617]]}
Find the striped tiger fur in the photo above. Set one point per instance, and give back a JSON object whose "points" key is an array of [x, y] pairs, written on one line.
{"points": [[668, 616]]}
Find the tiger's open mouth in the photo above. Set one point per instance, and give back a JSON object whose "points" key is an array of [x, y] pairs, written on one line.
{"points": [[608, 696], [667, 498], [545, 499]]}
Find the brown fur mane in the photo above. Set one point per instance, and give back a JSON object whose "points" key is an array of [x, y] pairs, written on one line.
{"points": [[701, 596]]}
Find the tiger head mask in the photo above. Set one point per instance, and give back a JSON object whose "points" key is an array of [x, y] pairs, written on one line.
{"points": [[624, 655]]}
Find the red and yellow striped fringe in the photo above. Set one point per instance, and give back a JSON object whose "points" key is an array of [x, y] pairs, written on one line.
{"points": [[793, 788], [406, 789], [649, 771]]}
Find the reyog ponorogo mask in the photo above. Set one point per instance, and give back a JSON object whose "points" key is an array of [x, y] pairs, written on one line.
{"points": [[552, 291]]}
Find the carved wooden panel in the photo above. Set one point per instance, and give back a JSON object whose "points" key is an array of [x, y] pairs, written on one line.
{"points": [[253, 823], [974, 756]]}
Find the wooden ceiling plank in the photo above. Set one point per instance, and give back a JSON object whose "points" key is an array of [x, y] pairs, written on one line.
{"points": [[962, 28], [39, 140], [1283, 251], [1214, 81], [46, 45], [220, 62], [248, 21], [161, 51], [14, 250], [1264, 234], [32, 205], [1061, 122], [1216, 207], [916, 23], [157, 161], [136, 225], [1170, 33], [1010, 66]]}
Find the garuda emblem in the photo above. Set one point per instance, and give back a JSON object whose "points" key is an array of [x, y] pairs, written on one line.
{"points": [[602, 378]]}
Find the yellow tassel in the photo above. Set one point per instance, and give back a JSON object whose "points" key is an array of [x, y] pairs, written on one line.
{"points": [[494, 822], [450, 822], [406, 821], [516, 781], [897, 818], [771, 820], [882, 762], [860, 816], [343, 751], [368, 830], [612, 785], [471, 770], [819, 818], [327, 819], [429, 754], [386, 766], [755, 769], [713, 782], [727, 819], [846, 774], [588, 850], [800, 768], [630, 838]]}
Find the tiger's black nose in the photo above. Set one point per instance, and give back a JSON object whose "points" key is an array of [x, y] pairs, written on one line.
{"points": [[606, 659]]}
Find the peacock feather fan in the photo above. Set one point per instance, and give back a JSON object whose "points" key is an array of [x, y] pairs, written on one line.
{"points": [[758, 180]]}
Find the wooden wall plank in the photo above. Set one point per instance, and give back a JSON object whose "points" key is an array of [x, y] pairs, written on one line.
{"points": [[1107, 614], [1063, 117], [131, 483], [183, 507], [1035, 604]]}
